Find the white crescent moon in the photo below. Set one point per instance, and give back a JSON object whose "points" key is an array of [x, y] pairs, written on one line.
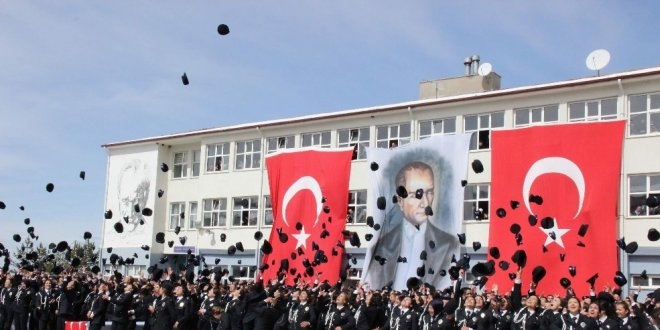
{"points": [[557, 165], [304, 183]]}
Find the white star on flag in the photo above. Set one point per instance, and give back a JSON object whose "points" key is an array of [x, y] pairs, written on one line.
{"points": [[559, 232], [301, 238]]}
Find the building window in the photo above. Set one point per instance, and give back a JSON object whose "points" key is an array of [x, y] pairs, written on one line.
{"points": [[245, 211], [195, 163], [217, 157], [644, 114], [268, 211], [278, 143], [243, 272], [593, 110], [357, 206], [392, 136], [180, 168], [354, 274], [248, 154], [193, 217], [136, 271], [437, 127], [476, 202], [215, 212], [642, 187], [177, 214], [650, 282], [536, 115], [481, 125], [319, 139], [358, 138]]}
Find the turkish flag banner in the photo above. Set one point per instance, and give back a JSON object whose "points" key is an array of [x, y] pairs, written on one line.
{"points": [[309, 194], [554, 196]]}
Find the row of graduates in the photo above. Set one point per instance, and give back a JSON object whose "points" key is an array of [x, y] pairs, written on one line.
{"points": [[39, 301]]}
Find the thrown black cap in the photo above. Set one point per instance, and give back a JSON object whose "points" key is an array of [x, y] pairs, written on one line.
{"points": [[652, 201], [515, 228], [562, 256], [536, 199], [147, 212], [145, 247], [501, 212], [583, 229], [223, 29], [476, 246], [494, 252], [463, 183], [631, 247], [461, 238], [82, 175], [355, 240], [538, 273], [381, 203], [572, 270], [565, 283], [2, 205], [87, 235], [401, 192], [108, 214], [50, 187], [17, 238], [119, 228], [620, 279], [223, 237], [26, 221], [653, 235], [177, 230], [184, 79], [182, 240], [75, 262], [239, 246], [621, 243], [258, 235], [368, 237], [592, 279], [266, 248], [231, 250], [413, 283], [514, 204], [484, 268], [504, 265], [477, 166], [62, 246], [163, 166], [547, 222], [532, 220], [160, 238], [520, 258], [644, 275], [170, 243]]}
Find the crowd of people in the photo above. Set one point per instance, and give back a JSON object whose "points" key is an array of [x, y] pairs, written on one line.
{"points": [[213, 301]]}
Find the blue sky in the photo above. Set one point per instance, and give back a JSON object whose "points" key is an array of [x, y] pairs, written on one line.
{"points": [[78, 74]]}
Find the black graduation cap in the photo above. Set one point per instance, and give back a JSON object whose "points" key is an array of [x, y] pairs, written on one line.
{"points": [[547, 222], [428, 210], [643, 275], [87, 235], [536, 199], [631, 247], [368, 237], [147, 212], [109, 249], [370, 221], [476, 246], [401, 259], [494, 252], [119, 228], [17, 238], [515, 228], [161, 192], [461, 238], [538, 273], [75, 262], [620, 279], [163, 166], [30, 230], [160, 238], [413, 283], [108, 214], [514, 204], [239, 246], [355, 240], [164, 260], [26, 221], [520, 258], [266, 248], [565, 283], [419, 193], [223, 237], [2, 205], [463, 183], [652, 201], [177, 230], [170, 243], [562, 256], [258, 235], [50, 187], [231, 250], [432, 244], [377, 226], [592, 279], [82, 175], [374, 166], [572, 270], [145, 247], [22, 208], [136, 208], [421, 271], [477, 166], [223, 29], [653, 235], [402, 192], [484, 268], [381, 203], [184, 80], [580, 244], [282, 236]]}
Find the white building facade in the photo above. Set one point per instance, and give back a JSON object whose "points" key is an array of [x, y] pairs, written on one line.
{"points": [[217, 183]]}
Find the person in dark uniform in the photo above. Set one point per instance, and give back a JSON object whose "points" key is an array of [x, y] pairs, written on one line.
{"points": [[574, 320], [217, 321], [626, 320], [526, 317], [97, 308], [44, 303], [184, 310], [467, 317], [205, 310], [120, 304], [6, 297], [65, 301], [163, 313], [339, 316], [252, 300], [551, 317], [370, 313], [304, 316], [408, 318], [235, 310], [21, 306]]}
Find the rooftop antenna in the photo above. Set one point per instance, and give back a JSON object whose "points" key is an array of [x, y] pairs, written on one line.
{"points": [[597, 60], [485, 69]]}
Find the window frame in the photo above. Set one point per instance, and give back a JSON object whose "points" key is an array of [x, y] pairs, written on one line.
{"points": [[196, 165], [356, 140], [180, 221], [253, 153], [359, 209], [647, 114], [648, 191], [220, 211], [277, 143], [432, 128], [477, 201], [481, 129], [193, 215], [223, 157], [252, 211], [313, 135], [393, 137], [180, 169], [530, 115], [586, 117], [267, 209]]}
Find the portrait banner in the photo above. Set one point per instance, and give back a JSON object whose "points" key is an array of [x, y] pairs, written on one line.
{"points": [[555, 192], [415, 203], [309, 190]]}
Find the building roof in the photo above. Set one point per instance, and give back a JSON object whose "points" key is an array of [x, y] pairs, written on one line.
{"points": [[394, 107]]}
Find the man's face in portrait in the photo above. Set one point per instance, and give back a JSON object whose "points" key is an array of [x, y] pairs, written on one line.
{"points": [[413, 208]]}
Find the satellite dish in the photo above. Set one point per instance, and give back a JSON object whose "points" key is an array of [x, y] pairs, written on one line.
{"points": [[598, 59], [485, 69]]}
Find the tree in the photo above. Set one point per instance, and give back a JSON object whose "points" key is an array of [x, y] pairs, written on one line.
{"points": [[47, 259]]}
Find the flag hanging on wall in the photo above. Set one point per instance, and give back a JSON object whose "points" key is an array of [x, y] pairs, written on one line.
{"points": [[555, 192], [309, 194]]}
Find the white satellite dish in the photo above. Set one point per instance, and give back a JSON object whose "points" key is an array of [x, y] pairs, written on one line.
{"points": [[598, 59], [485, 69]]}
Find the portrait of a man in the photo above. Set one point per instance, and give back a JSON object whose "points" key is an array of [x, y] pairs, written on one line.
{"points": [[420, 185], [133, 187]]}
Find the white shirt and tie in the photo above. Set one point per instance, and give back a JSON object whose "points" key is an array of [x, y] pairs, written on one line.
{"points": [[412, 245]]}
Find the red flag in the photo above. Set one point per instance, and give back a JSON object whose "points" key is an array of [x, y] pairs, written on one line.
{"points": [[568, 177], [309, 193]]}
